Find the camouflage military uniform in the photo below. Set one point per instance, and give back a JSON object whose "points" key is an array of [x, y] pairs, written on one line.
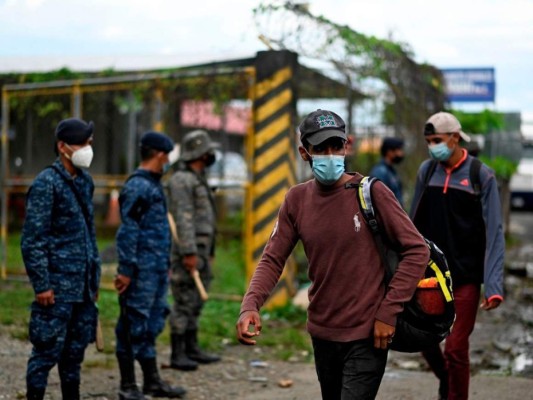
{"points": [[60, 253], [191, 203], [143, 244]]}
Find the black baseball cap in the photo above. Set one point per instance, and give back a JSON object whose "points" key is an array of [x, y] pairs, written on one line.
{"points": [[320, 125]]}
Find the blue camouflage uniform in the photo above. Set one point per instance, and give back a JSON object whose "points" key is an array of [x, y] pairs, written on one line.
{"points": [[143, 244], [59, 251]]}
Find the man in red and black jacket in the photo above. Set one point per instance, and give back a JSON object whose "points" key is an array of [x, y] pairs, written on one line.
{"points": [[457, 206]]}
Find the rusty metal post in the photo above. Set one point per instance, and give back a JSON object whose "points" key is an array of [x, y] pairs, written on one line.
{"points": [[5, 190], [157, 116]]}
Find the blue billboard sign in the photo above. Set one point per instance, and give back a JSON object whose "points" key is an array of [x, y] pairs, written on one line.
{"points": [[469, 84]]}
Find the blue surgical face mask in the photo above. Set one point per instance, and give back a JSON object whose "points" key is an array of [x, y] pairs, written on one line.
{"points": [[166, 167], [440, 151], [327, 169]]}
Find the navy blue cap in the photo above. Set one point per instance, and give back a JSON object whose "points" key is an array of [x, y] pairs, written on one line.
{"points": [[157, 141], [74, 131]]}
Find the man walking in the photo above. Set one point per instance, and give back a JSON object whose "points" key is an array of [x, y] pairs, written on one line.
{"points": [[143, 244], [457, 206], [391, 154], [351, 319], [192, 206], [61, 258]]}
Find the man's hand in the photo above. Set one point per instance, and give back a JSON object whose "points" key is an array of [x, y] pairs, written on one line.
{"points": [[383, 334], [190, 262], [45, 298], [121, 283], [246, 320], [490, 305]]}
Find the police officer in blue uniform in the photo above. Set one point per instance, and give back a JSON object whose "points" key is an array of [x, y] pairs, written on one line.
{"points": [[143, 244], [61, 258]]}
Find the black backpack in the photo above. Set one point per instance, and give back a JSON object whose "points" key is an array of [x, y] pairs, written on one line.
{"points": [[428, 317]]}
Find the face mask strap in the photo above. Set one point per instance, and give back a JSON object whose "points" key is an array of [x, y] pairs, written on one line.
{"points": [[68, 156]]}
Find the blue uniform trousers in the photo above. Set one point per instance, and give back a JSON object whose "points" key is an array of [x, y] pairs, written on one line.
{"points": [[59, 334], [145, 307]]}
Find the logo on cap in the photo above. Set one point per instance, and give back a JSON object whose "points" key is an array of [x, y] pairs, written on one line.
{"points": [[325, 121]]}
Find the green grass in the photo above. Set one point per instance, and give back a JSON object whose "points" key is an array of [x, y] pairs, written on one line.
{"points": [[284, 334], [15, 266], [15, 299], [228, 269]]}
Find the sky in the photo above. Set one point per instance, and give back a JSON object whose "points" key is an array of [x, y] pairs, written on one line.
{"points": [[89, 34]]}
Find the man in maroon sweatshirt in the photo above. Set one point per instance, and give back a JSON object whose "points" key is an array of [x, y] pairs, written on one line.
{"points": [[351, 319]]}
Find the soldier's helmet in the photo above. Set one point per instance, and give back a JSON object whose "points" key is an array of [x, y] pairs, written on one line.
{"points": [[195, 144]]}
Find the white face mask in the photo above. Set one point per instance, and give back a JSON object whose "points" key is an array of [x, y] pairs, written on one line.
{"points": [[81, 158]]}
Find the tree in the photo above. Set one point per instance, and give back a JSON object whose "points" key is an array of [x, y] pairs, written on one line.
{"points": [[382, 68]]}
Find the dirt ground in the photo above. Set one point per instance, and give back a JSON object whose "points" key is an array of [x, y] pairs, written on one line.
{"points": [[236, 377]]}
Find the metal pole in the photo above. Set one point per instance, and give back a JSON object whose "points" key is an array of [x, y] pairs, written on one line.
{"points": [[132, 130], [157, 116], [5, 165], [28, 156], [76, 101]]}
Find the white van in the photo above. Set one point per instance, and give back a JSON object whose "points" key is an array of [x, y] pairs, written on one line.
{"points": [[521, 184], [229, 175]]}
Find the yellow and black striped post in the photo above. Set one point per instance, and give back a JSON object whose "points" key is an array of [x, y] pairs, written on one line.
{"points": [[271, 149]]}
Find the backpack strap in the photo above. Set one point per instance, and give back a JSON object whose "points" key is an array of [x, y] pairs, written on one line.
{"points": [[441, 279], [77, 194], [364, 196], [475, 176], [429, 172]]}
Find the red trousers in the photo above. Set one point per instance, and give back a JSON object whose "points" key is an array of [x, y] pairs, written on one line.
{"points": [[454, 364]]}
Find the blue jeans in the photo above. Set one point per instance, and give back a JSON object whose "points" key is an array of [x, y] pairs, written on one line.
{"points": [[350, 370]]}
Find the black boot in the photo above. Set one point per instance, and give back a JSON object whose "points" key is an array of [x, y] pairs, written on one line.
{"points": [[128, 387], [70, 390], [154, 385], [178, 358], [35, 393], [193, 351]]}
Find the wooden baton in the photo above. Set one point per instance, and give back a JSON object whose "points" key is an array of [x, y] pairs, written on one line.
{"points": [[199, 285], [99, 336], [195, 275]]}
